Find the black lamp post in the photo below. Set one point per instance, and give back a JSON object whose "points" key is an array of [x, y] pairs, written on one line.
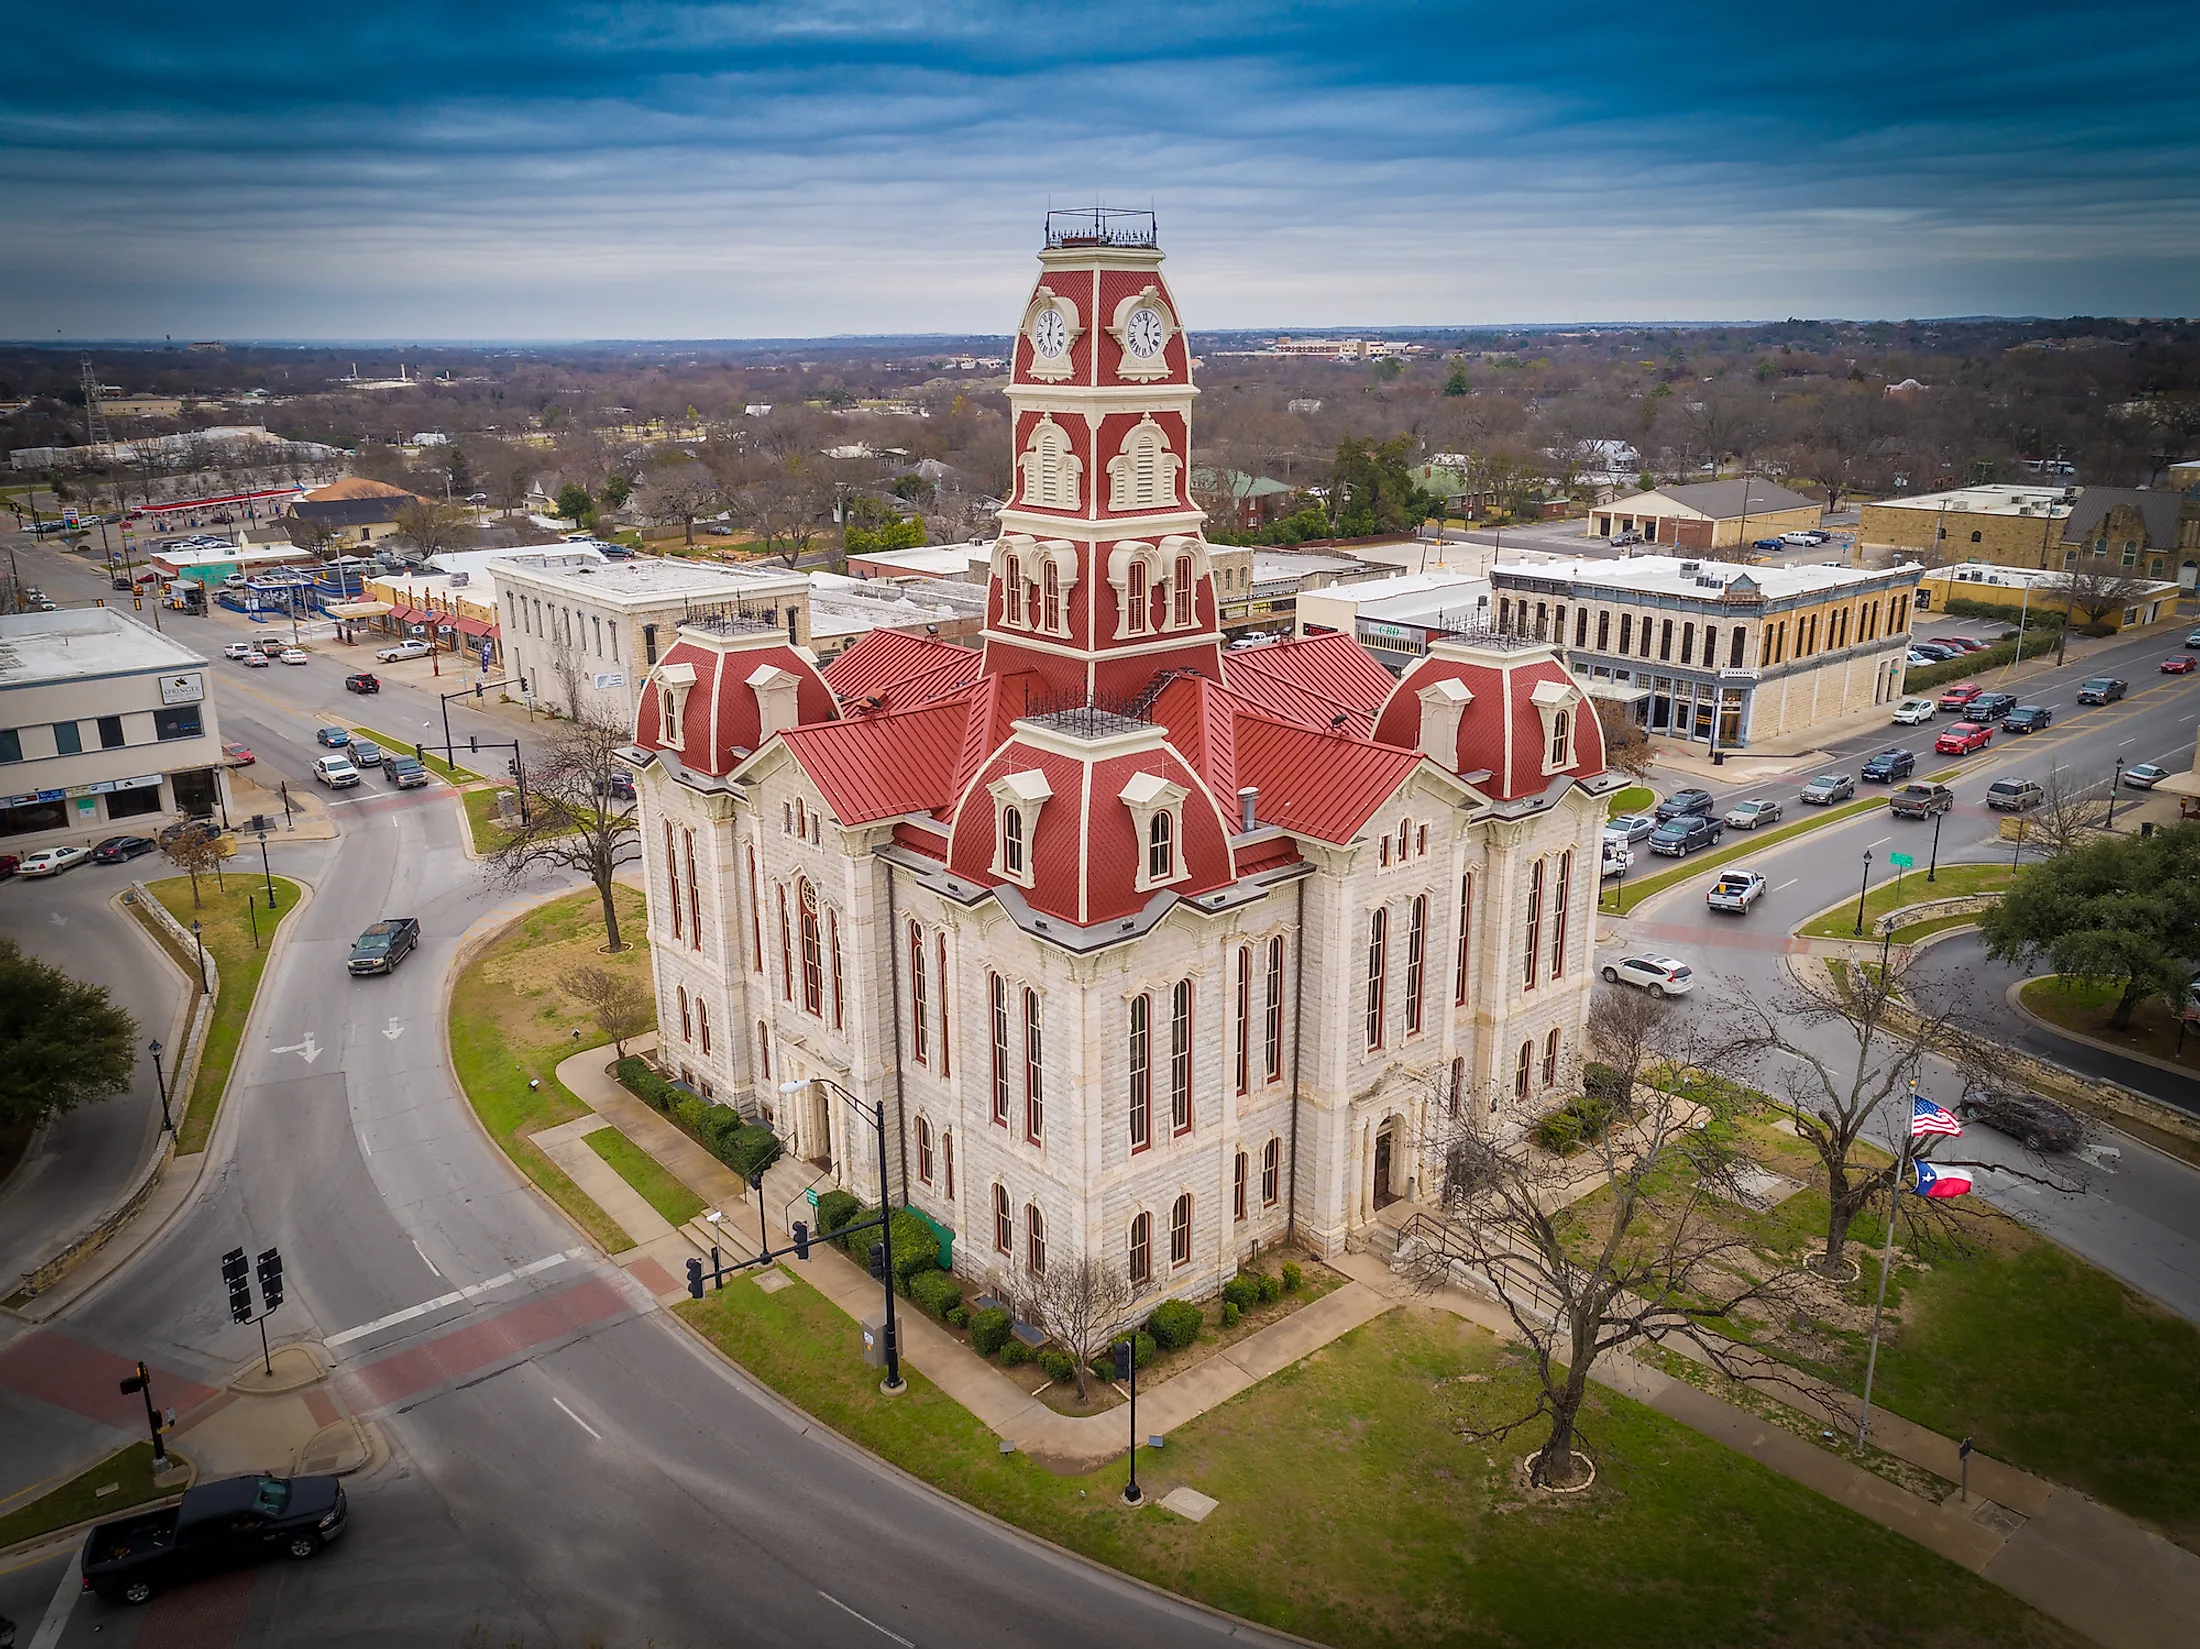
{"points": [[1886, 944], [1932, 870], [265, 871], [876, 1116], [2115, 784], [198, 939], [160, 1080], [1862, 889]]}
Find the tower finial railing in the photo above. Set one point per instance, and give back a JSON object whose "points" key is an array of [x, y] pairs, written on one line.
{"points": [[1102, 226]]}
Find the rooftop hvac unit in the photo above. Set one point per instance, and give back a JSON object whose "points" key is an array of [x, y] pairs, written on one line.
{"points": [[1691, 566], [459, 581]]}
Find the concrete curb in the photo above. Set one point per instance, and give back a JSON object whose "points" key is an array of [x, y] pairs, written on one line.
{"points": [[69, 1534], [2014, 997]]}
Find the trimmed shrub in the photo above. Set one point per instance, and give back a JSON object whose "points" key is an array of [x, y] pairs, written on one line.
{"points": [[1059, 1364], [916, 1248], [1271, 1290], [750, 1149], [834, 1210], [1604, 1082], [1103, 1366], [1580, 1121], [989, 1330], [937, 1291], [957, 1316], [1175, 1323], [1294, 1276], [1015, 1353], [1242, 1291], [1230, 1314], [1144, 1349], [640, 1079]]}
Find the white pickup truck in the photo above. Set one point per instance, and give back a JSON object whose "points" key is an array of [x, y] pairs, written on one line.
{"points": [[1736, 890]]}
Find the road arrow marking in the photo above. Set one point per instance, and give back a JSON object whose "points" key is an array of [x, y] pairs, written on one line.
{"points": [[2095, 1153], [395, 1031], [309, 1048]]}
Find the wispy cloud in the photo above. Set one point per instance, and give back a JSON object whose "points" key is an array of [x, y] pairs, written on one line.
{"points": [[424, 170]]}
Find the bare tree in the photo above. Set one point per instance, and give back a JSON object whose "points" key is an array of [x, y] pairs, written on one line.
{"points": [[1650, 1262], [573, 820], [784, 505], [2070, 811], [196, 850], [1080, 1304], [616, 1001], [678, 492], [2099, 591], [432, 526], [1627, 747]]}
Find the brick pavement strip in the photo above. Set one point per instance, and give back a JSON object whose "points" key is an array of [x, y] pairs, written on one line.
{"points": [[208, 1615], [483, 1343], [68, 1373]]}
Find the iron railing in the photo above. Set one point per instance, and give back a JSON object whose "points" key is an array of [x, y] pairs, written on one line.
{"points": [[1101, 226]]}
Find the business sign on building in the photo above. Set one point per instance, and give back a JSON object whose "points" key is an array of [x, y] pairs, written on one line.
{"points": [[608, 678], [186, 688]]}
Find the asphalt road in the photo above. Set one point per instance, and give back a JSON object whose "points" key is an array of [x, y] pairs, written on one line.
{"points": [[566, 1464], [2132, 1211]]}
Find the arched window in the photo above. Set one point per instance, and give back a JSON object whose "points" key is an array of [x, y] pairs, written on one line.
{"points": [[1550, 1059], [1562, 738], [1012, 840], [813, 951], [1012, 590], [1035, 1093], [1520, 1070], [947, 1162], [1534, 924], [998, 988], [1141, 1250], [1161, 848], [1137, 600], [786, 948], [1181, 594], [1004, 1227], [1378, 956], [695, 906], [672, 877], [1141, 1051], [924, 1150], [920, 1013], [1271, 1172], [832, 936], [1560, 890], [1466, 914], [1180, 1057], [1458, 1087], [1244, 1017], [1180, 1231], [702, 1023], [1416, 954], [764, 1049], [756, 909], [687, 1026], [1240, 1169], [939, 948], [1035, 1239], [1050, 584], [1271, 1027]]}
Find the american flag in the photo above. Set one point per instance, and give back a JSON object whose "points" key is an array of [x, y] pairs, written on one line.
{"points": [[1928, 1118]]}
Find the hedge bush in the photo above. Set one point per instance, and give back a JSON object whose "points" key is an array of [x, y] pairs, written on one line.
{"points": [[937, 1291], [1230, 1314], [2052, 617], [958, 1316], [1175, 1323], [1294, 1277], [750, 1149], [989, 1330], [916, 1248], [1242, 1291], [640, 1078], [2037, 639], [1271, 1289], [1059, 1364], [1580, 1121], [1604, 1082], [834, 1210], [1014, 1354], [1146, 1349]]}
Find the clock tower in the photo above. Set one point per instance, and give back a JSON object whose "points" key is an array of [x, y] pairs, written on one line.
{"points": [[1100, 578]]}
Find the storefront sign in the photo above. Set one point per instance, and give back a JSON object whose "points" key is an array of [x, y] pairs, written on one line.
{"points": [[182, 689]]}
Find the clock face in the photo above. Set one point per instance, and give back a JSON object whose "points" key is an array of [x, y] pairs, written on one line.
{"points": [[1049, 333], [1145, 333]]}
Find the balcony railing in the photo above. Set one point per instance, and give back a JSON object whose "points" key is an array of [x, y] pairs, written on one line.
{"points": [[1101, 226]]}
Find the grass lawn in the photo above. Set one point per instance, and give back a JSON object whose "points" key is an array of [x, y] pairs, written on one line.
{"points": [[227, 932], [2078, 1006], [481, 819], [1909, 888], [1635, 889], [392, 745], [129, 1476], [647, 1175], [510, 1022], [1352, 1513], [1634, 799]]}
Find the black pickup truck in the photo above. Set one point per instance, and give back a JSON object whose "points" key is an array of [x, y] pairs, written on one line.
{"points": [[217, 1526]]}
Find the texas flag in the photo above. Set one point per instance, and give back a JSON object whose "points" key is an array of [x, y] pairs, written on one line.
{"points": [[1942, 1182], [1928, 1118]]}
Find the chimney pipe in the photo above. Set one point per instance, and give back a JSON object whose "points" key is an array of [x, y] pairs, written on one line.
{"points": [[1246, 798]]}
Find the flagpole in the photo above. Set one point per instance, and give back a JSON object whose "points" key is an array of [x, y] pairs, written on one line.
{"points": [[1886, 1264]]}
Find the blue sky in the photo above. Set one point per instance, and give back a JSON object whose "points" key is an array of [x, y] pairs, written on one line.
{"points": [[416, 170]]}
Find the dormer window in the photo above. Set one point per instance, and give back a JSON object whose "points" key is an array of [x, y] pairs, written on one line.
{"points": [[1181, 594], [1157, 813], [1017, 800], [1558, 703], [1562, 739], [1012, 590], [1137, 600], [673, 682]]}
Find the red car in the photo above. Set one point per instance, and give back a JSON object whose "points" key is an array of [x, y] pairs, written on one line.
{"points": [[238, 755], [2182, 665], [1961, 694], [1963, 738]]}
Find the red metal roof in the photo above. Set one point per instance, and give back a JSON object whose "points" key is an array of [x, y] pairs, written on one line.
{"points": [[881, 766], [902, 669], [1319, 783], [1312, 680]]}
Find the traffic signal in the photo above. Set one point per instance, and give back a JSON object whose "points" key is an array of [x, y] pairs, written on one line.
{"points": [[271, 1279], [878, 1261], [1124, 1353], [477, 690], [695, 1279], [137, 1382], [511, 766], [801, 1239], [240, 1292]]}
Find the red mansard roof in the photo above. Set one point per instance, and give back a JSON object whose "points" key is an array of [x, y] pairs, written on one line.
{"points": [[882, 766], [902, 669], [1318, 783], [1312, 680]]}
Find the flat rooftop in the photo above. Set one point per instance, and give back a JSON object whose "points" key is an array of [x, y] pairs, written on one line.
{"points": [[646, 580], [1998, 499], [82, 643], [933, 560], [1673, 575]]}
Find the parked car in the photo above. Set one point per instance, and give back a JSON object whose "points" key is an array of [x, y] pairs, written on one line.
{"points": [[239, 650], [1938, 652], [1620, 540], [1958, 696], [2012, 795], [335, 738], [1990, 707], [1962, 644], [2102, 690], [238, 755], [1916, 660], [1630, 827], [1914, 712], [1963, 738], [1758, 810], [1659, 975], [407, 771], [216, 1526], [364, 753], [385, 944], [336, 772], [2145, 776], [2027, 718], [401, 652], [176, 832], [2178, 666], [1768, 544], [52, 861], [2039, 1124], [1807, 539], [1676, 838], [1682, 804], [1890, 765], [292, 655], [1828, 788], [120, 850], [362, 683], [9, 865], [1921, 801], [1736, 891]]}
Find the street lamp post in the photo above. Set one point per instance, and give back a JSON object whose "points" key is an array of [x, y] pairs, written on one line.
{"points": [[266, 871], [252, 914], [876, 1116], [198, 939], [1932, 870], [1863, 888], [160, 1080], [2115, 784]]}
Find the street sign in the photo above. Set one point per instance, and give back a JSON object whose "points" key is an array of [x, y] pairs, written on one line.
{"points": [[1901, 861], [810, 1196]]}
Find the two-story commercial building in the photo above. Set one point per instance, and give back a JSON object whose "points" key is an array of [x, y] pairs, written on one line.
{"points": [[106, 727], [1714, 652]]}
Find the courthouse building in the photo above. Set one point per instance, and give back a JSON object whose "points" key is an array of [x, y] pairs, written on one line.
{"points": [[1148, 950]]}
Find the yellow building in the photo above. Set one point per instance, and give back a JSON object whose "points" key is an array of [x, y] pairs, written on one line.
{"points": [[2016, 589], [1709, 515]]}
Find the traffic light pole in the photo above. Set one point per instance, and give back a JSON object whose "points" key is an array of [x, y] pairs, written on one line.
{"points": [[142, 1383]]}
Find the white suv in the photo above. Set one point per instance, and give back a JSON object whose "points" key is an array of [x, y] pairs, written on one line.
{"points": [[1914, 712], [336, 772], [1659, 975]]}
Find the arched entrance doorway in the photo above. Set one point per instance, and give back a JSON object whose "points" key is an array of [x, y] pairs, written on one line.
{"points": [[1389, 1168]]}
